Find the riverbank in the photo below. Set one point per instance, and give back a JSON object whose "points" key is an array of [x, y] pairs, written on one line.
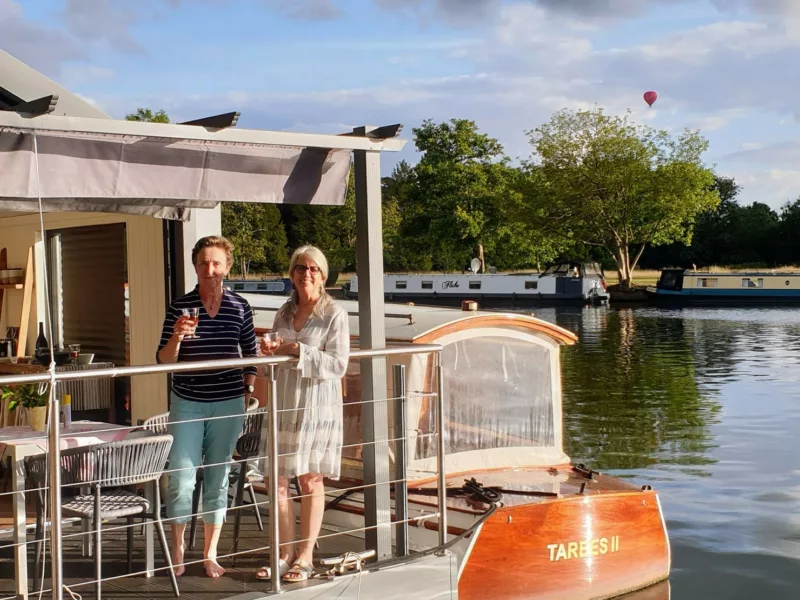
{"points": [[636, 295]]}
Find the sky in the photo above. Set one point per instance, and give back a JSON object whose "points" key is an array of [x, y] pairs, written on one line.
{"points": [[726, 67]]}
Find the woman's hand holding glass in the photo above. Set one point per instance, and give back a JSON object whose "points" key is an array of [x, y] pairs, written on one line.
{"points": [[269, 343]]}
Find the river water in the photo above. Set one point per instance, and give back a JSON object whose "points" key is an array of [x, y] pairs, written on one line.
{"points": [[704, 405]]}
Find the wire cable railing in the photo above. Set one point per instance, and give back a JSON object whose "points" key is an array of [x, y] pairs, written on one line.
{"points": [[269, 457]]}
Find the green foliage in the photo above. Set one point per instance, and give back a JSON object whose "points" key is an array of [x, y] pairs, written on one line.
{"points": [[28, 395], [258, 237], [602, 180], [331, 228], [455, 201], [146, 114], [736, 235]]}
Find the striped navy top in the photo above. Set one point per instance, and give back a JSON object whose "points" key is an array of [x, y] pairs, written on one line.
{"points": [[220, 337]]}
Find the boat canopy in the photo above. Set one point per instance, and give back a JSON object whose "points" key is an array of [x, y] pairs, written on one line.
{"points": [[163, 170], [502, 386]]}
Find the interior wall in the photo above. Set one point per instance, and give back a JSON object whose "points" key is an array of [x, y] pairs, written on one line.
{"points": [[145, 282]]}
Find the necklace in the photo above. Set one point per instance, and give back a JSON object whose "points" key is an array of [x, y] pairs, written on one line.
{"points": [[216, 303]]}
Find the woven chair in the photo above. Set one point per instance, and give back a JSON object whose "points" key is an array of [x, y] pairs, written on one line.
{"points": [[120, 464], [157, 423], [247, 446]]}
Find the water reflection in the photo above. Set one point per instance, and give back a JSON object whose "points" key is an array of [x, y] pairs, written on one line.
{"points": [[631, 397], [704, 404]]}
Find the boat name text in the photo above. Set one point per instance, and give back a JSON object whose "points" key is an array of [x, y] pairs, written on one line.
{"points": [[449, 284], [583, 548]]}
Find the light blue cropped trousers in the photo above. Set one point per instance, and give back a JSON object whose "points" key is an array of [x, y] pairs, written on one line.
{"points": [[209, 442]]}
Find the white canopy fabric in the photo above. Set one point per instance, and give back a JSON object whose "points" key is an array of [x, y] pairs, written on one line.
{"points": [[160, 177]]}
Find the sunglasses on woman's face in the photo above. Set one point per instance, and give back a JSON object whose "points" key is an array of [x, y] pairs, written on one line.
{"points": [[304, 268]]}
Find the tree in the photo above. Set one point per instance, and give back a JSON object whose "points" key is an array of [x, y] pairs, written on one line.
{"points": [[713, 240], [258, 236], [604, 181], [146, 114], [331, 228], [455, 201], [398, 208], [788, 241]]}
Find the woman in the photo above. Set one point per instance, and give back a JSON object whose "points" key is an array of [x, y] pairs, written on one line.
{"points": [[315, 329], [213, 400]]}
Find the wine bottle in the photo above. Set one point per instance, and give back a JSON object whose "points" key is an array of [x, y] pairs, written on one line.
{"points": [[41, 346]]}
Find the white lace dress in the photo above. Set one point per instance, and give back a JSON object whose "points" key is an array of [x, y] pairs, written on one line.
{"points": [[310, 394]]}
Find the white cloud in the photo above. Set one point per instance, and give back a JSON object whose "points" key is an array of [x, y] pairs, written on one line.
{"points": [[77, 74], [103, 21], [42, 48], [773, 187], [782, 154], [305, 10], [714, 122]]}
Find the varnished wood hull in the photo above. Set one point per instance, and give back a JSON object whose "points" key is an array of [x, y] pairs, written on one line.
{"points": [[597, 537], [573, 548]]}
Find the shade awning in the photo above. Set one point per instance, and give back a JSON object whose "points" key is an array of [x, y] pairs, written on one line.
{"points": [[163, 170], [160, 177]]}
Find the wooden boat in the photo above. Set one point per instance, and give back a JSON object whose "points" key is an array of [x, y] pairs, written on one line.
{"points": [[678, 287], [522, 520], [565, 282]]}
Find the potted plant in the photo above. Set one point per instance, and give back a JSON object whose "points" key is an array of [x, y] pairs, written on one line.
{"points": [[34, 397]]}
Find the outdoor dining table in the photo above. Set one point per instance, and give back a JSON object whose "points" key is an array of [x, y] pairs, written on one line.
{"points": [[17, 443]]}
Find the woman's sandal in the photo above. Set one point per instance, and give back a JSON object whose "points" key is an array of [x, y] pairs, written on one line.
{"points": [[265, 573], [300, 571]]}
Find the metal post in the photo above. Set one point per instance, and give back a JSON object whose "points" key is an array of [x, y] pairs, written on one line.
{"points": [[274, 521], [400, 475], [372, 334], [54, 451], [440, 467]]}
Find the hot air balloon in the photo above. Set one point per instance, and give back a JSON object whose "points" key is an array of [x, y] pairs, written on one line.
{"points": [[650, 97]]}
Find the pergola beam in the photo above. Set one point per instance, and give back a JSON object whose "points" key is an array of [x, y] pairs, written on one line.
{"points": [[169, 131], [379, 133], [39, 106], [217, 121]]}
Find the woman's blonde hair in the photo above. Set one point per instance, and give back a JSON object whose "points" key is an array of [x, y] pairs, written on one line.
{"points": [[312, 252]]}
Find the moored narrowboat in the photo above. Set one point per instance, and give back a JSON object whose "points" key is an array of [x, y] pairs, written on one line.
{"points": [[564, 282], [678, 287], [522, 521], [278, 286]]}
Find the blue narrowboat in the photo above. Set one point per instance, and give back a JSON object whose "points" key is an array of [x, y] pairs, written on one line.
{"points": [[679, 287]]}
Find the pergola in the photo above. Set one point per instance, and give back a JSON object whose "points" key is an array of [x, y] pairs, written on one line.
{"points": [[57, 163]]}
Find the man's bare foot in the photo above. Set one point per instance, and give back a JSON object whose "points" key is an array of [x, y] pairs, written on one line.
{"points": [[177, 559], [213, 568]]}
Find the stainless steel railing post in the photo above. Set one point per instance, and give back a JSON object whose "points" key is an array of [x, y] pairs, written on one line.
{"points": [[400, 474], [274, 520], [440, 453], [54, 449]]}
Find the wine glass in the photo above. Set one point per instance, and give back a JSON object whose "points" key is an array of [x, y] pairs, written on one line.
{"points": [[193, 314], [74, 353], [272, 339]]}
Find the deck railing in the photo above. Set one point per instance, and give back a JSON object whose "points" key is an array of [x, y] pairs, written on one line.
{"points": [[398, 435]]}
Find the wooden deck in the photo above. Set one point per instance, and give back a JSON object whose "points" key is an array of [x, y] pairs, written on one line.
{"points": [[79, 570]]}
